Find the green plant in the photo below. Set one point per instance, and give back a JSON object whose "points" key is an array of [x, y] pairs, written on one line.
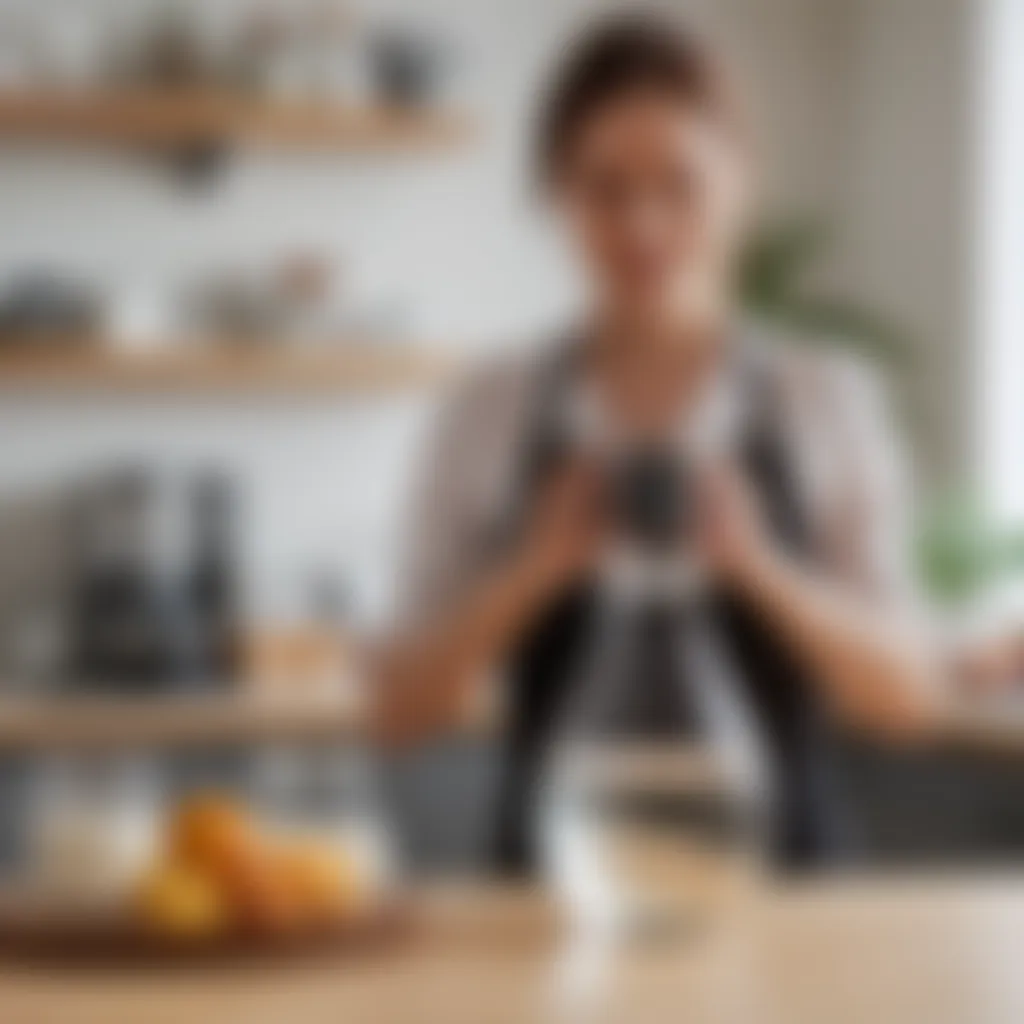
{"points": [[774, 288], [961, 550]]}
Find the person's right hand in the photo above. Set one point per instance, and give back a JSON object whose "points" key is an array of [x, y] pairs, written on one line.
{"points": [[567, 527]]}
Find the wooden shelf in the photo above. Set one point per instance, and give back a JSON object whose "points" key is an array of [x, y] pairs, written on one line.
{"points": [[347, 369], [184, 118], [70, 723], [242, 717]]}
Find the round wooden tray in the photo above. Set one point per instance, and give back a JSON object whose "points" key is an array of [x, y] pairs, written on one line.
{"points": [[33, 937]]}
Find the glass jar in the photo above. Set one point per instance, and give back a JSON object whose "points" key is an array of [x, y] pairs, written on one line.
{"points": [[652, 830], [93, 829], [330, 795]]}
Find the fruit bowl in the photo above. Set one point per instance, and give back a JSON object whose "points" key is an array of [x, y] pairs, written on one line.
{"points": [[216, 886]]}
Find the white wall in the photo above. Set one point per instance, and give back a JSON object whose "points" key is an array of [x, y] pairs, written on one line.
{"points": [[905, 202], [455, 241], [1000, 250], [451, 240]]}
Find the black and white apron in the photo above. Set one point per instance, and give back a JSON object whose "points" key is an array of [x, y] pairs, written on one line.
{"points": [[779, 701]]}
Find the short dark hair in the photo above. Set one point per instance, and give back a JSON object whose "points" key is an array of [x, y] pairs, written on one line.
{"points": [[623, 54]]}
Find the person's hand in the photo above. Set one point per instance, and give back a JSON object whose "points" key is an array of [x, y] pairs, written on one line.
{"points": [[732, 541], [567, 527]]}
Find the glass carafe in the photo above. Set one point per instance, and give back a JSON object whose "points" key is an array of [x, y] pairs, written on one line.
{"points": [[329, 795], [652, 828], [93, 829]]}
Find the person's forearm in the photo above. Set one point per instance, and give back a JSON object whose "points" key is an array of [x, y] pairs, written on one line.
{"points": [[423, 681], [875, 666]]}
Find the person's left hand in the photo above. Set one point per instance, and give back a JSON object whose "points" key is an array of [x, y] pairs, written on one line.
{"points": [[732, 540]]}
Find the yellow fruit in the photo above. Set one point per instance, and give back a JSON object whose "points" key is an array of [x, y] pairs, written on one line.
{"points": [[179, 901], [322, 880], [223, 873]]}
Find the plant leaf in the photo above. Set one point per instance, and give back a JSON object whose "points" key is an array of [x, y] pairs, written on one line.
{"points": [[830, 321], [779, 255]]}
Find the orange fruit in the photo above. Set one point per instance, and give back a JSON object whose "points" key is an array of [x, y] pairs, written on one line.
{"points": [[181, 902], [262, 901], [322, 880], [213, 832]]}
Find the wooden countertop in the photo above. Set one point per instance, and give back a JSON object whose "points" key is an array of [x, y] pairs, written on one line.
{"points": [[859, 951]]}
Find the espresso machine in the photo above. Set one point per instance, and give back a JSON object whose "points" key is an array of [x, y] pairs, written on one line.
{"points": [[153, 594]]}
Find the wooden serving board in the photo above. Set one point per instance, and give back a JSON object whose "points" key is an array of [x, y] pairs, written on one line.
{"points": [[30, 935]]}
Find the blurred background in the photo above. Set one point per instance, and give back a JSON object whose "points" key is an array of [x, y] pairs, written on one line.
{"points": [[246, 246]]}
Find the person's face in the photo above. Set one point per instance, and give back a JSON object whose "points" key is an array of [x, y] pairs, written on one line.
{"points": [[656, 196]]}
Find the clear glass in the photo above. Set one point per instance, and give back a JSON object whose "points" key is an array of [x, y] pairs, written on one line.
{"points": [[329, 794], [93, 829], [652, 836]]}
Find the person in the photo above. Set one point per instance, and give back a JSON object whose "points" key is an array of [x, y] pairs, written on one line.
{"points": [[795, 502]]}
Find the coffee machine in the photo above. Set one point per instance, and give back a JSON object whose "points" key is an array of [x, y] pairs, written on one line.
{"points": [[153, 593]]}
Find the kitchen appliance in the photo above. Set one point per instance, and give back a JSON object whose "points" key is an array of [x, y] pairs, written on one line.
{"points": [[154, 597]]}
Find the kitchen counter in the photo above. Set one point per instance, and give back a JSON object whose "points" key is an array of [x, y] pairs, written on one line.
{"points": [[871, 950]]}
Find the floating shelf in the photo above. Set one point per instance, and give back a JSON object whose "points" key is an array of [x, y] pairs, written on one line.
{"points": [[239, 717], [242, 717], [346, 369], [102, 723], [172, 119]]}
